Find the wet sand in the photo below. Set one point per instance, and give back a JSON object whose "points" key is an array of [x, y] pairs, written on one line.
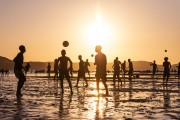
{"points": [[139, 99]]}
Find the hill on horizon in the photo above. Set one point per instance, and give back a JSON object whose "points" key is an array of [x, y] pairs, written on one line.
{"points": [[6, 63]]}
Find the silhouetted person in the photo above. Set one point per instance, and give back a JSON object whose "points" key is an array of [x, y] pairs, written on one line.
{"points": [[81, 71], [27, 68], [155, 68], [49, 70], [116, 67], [86, 67], [55, 69], [18, 66], [2, 72], [6, 72], [100, 62], [123, 67], [64, 70], [178, 70], [131, 70], [167, 67]]}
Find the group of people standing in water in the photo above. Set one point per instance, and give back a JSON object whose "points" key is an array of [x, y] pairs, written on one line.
{"points": [[118, 67], [63, 68]]}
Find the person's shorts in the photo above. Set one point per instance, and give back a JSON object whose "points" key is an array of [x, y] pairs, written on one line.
{"points": [[63, 74], [81, 73], [130, 72], [100, 75], [166, 73], [117, 72], [20, 75]]}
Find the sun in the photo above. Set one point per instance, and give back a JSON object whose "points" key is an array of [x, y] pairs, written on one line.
{"points": [[98, 33]]}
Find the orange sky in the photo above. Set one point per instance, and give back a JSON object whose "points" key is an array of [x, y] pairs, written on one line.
{"points": [[140, 30]]}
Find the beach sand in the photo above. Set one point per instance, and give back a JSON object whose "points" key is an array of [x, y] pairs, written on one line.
{"points": [[139, 99]]}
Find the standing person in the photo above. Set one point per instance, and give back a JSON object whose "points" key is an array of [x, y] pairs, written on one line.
{"points": [[167, 67], [64, 70], [7, 72], [116, 67], [27, 68], [2, 72], [18, 66], [155, 68], [100, 62], [55, 69], [123, 67], [86, 67], [178, 70], [81, 71], [49, 70], [131, 70]]}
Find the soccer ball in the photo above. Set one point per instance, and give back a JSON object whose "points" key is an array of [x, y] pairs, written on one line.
{"points": [[65, 43]]}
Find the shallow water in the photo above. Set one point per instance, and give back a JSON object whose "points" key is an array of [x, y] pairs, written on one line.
{"points": [[139, 99]]}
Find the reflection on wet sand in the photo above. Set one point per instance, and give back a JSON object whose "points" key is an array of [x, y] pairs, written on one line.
{"points": [[137, 99], [18, 114], [166, 96]]}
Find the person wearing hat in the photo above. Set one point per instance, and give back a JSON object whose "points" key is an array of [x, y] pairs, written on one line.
{"points": [[167, 67], [18, 69]]}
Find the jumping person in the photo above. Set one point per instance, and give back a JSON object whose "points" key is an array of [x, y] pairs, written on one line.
{"points": [[81, 71], [167, 67], [64, 70], [18, 69], [100, 62]]}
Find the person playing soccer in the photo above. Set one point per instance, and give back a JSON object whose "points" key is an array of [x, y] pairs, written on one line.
{"points": [[167, 67], [100, 62], [64, 70], [18, 69], [81, 71]]}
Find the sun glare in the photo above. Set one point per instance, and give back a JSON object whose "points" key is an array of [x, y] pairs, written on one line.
{"points": [[99, 33]]}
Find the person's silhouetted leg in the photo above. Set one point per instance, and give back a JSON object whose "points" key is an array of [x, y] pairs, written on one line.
{"points": [[114, 77], [18, 89], [119, 79], [70, 85], [77, 82], [105, 85], [86, 81], [97, 85], [62, 88]]}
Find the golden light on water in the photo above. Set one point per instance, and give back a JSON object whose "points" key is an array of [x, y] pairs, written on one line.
{"points": [[94, 92], [99, 107]]}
